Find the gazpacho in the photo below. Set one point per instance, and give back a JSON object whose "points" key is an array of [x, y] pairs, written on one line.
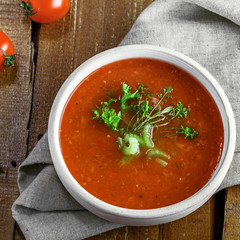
{"points": [[141, 134]]}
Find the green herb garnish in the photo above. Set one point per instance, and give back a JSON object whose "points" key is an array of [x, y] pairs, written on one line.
{"points": [[29, 10], [108, 115], [189, 132], [180, 111], [146, 113], [127, 95]]}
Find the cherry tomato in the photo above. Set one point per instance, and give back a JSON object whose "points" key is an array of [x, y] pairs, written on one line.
{"points": [[7, 56], [45, 11]]}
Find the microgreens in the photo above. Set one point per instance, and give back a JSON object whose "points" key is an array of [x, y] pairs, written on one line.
{"points": [[189, 132], [179, 110], [143, 91], [142, 109]]}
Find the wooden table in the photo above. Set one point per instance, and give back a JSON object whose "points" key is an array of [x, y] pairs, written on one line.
{"points": [[46, 54]]}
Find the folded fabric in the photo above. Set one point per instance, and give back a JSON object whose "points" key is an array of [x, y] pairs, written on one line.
{"points": [[205, 30]]}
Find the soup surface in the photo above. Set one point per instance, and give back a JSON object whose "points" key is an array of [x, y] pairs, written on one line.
{"points": [[91, 151]]}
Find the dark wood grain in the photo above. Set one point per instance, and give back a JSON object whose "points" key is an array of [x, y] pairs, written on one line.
{"points": [[15, 101], [55, 46], [231, 230], [196, 226]]}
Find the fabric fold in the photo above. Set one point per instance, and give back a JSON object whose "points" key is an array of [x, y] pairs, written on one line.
{"points": [[228, 9]]}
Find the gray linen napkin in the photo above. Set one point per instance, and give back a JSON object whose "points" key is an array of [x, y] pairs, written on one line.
{"points": [[207, 31]]}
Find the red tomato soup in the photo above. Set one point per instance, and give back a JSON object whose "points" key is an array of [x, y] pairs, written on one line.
{"points": [[92, 154]]}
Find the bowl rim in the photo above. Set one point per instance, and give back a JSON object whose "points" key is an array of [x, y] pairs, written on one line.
{"points": [[86, 199]]}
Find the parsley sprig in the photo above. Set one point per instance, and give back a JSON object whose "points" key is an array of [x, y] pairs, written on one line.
{"points": [[127, 95], [108, 115]]}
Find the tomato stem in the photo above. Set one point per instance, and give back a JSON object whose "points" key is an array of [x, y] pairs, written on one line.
{"points": [[8, 59], [29, 10]]}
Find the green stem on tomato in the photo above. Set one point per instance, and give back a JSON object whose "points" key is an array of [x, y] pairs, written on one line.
{"points": [[29, 10], [9, 60]]}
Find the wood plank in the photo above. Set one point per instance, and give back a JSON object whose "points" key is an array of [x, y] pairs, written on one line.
{"points": [[103, 25], [54, 64], [117, 234], [231, 230], [195, 226], [15, 100], [143, 233]]}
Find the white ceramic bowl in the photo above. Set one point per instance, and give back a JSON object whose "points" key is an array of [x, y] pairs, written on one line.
{"points": [[152, 216]]}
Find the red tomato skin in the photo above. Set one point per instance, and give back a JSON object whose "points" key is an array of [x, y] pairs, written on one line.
{"points": [[7, 46], [48, 10]]}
